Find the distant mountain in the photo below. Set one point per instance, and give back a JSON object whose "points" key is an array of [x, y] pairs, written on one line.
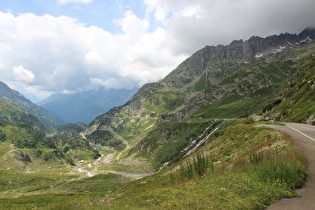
{"points": [[232, 81], [14, 97], [85, 106], [31, 97]]}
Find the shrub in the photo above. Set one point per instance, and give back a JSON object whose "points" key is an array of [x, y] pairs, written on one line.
{"points": [[197, 168], [3, 136], [201, 164], [289, 172], [255, 158]]}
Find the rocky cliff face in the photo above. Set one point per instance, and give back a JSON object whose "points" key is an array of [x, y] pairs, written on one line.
{"points": [[211, 59]]}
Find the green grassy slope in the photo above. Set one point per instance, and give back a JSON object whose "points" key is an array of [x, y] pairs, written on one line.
{"points": [[12, 96], [248, 168], [168, 143], [296, 101], [14, 115], [248, 90]]}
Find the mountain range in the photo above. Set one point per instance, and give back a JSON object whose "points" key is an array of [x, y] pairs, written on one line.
{"points": [[233, 81], [85, 106]]}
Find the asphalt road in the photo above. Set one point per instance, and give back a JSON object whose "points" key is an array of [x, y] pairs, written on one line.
{"points": [[304, 138]]}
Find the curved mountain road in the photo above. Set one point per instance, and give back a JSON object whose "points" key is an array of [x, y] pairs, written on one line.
{"points": [[304, 138]]}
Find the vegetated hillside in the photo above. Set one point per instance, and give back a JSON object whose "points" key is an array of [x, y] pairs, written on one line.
{"points": [[23, 149], [71, 129], [242, 167], [24, 146], [12, 96], [216, 82], [85, 106], [296, 101], [14, 115]]}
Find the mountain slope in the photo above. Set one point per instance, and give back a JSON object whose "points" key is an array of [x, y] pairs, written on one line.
{"points": [[85, 106], [216, 82], [12, 96], [14, 115], [296, 101], [24, 145]]}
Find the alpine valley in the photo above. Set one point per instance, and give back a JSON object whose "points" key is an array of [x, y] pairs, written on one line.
{"points": [[190, 140]]}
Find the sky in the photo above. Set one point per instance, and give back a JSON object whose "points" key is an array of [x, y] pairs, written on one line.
{"points": [[68, 46]]}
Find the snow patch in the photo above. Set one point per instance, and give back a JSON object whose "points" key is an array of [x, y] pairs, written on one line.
{"points": [[259, 55], [280, 49], [308, 39]]}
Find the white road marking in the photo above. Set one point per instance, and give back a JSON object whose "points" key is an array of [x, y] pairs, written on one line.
{"points": [[300, 132]]}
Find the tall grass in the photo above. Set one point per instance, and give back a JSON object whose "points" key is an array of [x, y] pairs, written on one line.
{"points": [[273, 168], [198, 167]]}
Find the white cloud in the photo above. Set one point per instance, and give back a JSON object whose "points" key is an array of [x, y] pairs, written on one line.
{"points": [[64, 54], [132, 26], [191, 11], [23, 74], [193, 24], [35, 90], [74, 1], [110, 83], [67, 91]]}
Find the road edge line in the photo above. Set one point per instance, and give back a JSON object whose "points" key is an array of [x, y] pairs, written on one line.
{"points": [[300, 132]]}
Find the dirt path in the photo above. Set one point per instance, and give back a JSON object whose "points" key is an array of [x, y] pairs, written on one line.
{"points": [[304, 138], [118, 137]]}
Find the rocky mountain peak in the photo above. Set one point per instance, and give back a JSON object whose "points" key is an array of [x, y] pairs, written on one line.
{"points": [[307, 34], [211, 58]]}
